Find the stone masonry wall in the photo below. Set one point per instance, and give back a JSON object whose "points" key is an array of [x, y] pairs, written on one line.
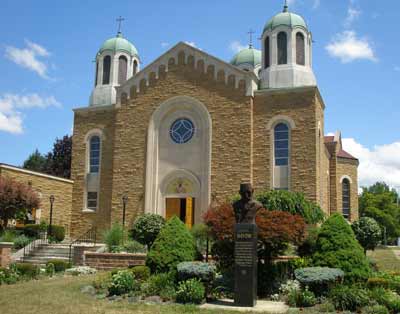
{"points": [[300, 106], [347, 167], [107, 261], [83, 124], [45, 186]]}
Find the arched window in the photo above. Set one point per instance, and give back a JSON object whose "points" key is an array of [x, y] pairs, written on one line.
{"points": [[122, 69], [282, 48], [300, 49], [97, 73], [135, 67], [106, 70], [94, 154], [346, 198], [267, 53], [281, 144]]}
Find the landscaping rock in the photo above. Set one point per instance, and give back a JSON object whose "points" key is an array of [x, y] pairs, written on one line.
{"points": [[90, 290], [115, 298], [155, 299], [134, 299]]}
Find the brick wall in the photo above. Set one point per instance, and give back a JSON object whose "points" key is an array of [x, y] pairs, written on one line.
{"points": [[106, 261], [45, 186]]}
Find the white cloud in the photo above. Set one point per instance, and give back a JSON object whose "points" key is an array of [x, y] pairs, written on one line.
{"points": [[164, 44], [316, 4], [352, 15], [28, 57], [191, 43], [382, 163], [11, 105], [236, 46], [348, 47]]}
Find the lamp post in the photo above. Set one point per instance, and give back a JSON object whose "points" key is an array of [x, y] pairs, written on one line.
{"points": [[124, 202], [51, 212]]}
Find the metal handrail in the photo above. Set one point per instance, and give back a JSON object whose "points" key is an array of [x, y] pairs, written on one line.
{"points": [[35, 244], [89, 236]]}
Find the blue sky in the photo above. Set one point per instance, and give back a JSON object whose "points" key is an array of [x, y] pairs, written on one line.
{"points": [[47, 50]]}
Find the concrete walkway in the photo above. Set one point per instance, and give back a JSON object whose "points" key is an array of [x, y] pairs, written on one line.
{"points": [[262, 306]]}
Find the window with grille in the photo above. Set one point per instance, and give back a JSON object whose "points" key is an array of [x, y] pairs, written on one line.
{"points": [[282, 48], [346, 198], [106, 70], [94, 156], [281, 144], [300, 49]]}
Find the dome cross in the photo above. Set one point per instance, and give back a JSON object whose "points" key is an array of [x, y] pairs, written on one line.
{"points": [[119, 21], [286, 6], [251, 32]]}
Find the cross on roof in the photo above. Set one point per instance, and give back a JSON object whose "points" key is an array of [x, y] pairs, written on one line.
{"points": [[286, 7], [119, 20], [251, 32]]}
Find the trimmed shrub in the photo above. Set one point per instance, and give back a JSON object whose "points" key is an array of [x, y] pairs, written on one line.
{"points": [[21, 241], [8, 276], [190, 291], [374, 309], [114, 237], [50, 269], [337, 247], [173, 245], [202, 271], [57, 233], [33, 231], [318, 279], [27, 270], [146, 228], [59, 265], [141, 273], [162, 285], [350, 298], [368, 232], [132, 246], [123, 282], [293, 203]]}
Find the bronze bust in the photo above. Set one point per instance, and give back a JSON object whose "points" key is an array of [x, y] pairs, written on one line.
{"points": [[246, 208]]}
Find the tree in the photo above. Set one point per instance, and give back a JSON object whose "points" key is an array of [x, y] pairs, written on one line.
{"points": [[58, 162], [146, 228], [16, 199], [337, 247], [380, 202], [368, 232], [35, 162]]}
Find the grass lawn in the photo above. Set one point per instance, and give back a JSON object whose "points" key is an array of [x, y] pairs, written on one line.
{"points": [[386, 259], [62, 295]]}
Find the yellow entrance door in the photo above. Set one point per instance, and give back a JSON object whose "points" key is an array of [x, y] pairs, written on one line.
{"points": [[173, 208], [189, 212]]}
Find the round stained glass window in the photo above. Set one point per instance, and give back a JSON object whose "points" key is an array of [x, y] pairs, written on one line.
{"points": [[182, 131]]}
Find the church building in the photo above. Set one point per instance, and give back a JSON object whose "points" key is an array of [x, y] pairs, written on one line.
{"points": [[183, 132]]}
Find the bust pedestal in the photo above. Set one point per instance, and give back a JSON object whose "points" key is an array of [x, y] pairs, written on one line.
{"points": [[245, 264]]}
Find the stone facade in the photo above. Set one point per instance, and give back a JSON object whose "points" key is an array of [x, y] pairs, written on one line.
{"points": [[46, 185], [242, 120], [107, 261]]}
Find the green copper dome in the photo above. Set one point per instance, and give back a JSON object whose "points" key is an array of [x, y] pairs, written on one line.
{"points": [[119, 43], [285, 18], [247, 56]]}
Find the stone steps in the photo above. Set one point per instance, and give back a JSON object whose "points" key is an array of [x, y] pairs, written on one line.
{"points": [[47, 252]]}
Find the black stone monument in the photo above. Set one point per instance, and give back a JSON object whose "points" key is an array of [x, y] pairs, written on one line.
{"points": [[246, 247]]}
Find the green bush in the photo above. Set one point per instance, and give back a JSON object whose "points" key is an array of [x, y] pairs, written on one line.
{"points": [[202, 271], [132, 246], [318, 279], [350, 298], [326, 307], [102, 281], [59, 265], [368, 232], [301, 298], [114, 237], [200, 234], [123, 282], [30, 271], [21, 241], [337, 247], [309, 245], [146, 228], [271, 276], [50, 269], [141, 273], [387, 298], [162, 285], [33, 231], [190, 291], [223, 254], [374, 309], [8, 236], [8, 276], [292, 202], [57, 233], [173, 245]]}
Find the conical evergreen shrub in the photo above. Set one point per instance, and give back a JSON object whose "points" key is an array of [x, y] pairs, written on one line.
{"points": [[173, 245], [337, 247]]}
